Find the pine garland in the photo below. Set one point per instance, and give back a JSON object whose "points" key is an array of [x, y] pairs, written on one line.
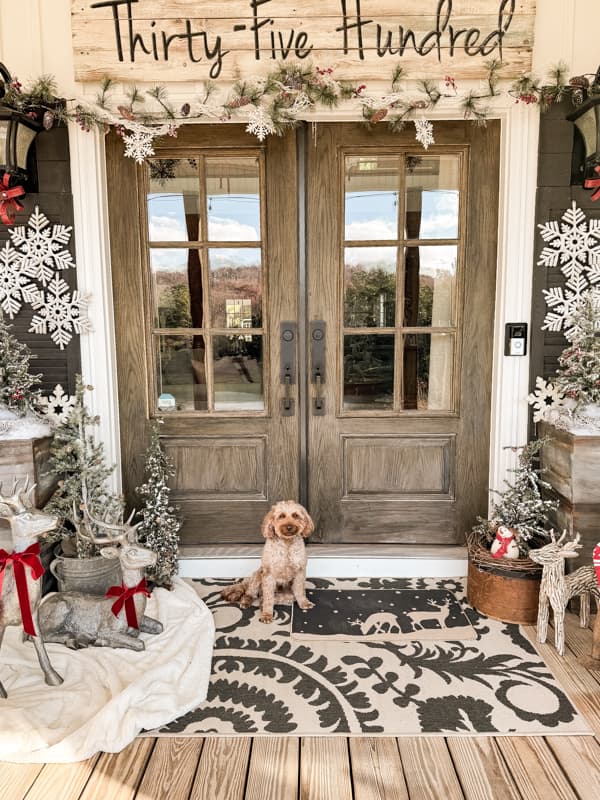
{"points": [[79, 462], [159, 529], [17, 384], [521, 506]]}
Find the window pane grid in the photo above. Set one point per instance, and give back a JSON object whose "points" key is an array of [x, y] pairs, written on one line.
{"points": [[212, 367], [424, 325]]}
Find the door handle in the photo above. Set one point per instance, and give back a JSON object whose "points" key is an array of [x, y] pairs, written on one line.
{"points": [[287, 373], [318, 330]]}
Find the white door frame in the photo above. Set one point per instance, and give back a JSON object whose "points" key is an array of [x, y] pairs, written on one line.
{"points": [[510, 381]]}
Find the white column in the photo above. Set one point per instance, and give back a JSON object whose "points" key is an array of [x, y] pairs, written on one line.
{"points": [[98, 355], [516, 236]]}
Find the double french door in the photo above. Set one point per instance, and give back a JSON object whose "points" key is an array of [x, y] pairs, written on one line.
{"points": [[312, 319]]}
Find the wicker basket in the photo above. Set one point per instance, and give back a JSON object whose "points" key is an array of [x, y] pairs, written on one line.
{"points": [[502, 588]]}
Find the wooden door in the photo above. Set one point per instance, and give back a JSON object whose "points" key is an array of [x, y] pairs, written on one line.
{"points": [[401, 248], [204, 263]]}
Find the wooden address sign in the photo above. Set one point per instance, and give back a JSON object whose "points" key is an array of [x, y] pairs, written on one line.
{"points": [[190, 40]]}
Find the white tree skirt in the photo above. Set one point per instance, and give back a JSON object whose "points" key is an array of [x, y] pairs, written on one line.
{"points": [[109, 695]]}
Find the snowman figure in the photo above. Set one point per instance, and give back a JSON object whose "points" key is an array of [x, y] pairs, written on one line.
{"points": [[504, 545], [596, 559]]}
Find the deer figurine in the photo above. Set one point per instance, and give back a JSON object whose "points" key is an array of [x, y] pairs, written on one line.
{"points": [[21, 571], [557, 588], [80, 620]]}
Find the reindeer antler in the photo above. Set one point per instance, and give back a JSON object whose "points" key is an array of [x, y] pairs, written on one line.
{"points": [[115, 531], [21, 497]]}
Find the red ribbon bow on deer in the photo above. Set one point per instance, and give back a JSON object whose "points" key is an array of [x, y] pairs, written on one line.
{"points": [[596, 557], [594, 183], [125, 597], [27, 558], [9, 205]]}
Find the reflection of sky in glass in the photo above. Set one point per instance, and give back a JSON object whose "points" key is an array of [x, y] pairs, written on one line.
{"points": [[169, 260], [166, 218], [234, 257], [373, 215], [370, 258], [233, 218]]}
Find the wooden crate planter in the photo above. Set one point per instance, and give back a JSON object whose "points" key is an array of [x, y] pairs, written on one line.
{"points": [[22, 457], [571, 464]]}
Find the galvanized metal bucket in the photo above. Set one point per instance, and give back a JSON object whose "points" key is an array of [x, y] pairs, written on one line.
{"points": [[89, 575]]}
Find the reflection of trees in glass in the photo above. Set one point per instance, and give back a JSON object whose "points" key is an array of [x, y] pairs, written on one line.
{"points": [[370, 297], [174, 307], [369, 359]]}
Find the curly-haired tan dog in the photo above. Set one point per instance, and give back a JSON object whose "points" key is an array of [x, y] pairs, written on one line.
{"points": [[282, 574]]}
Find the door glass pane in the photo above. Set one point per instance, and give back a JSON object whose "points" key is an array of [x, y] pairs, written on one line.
{"points": [[177, 278], [233, 199], [432, 193], [371, 199], [181, 374], [429, 281], [173, 200], [428, 367], [370, 287], [235, 287], [238, 373], [368, 371]]}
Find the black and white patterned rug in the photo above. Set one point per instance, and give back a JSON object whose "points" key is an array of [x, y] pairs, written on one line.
{"points": [[264, 682], [389, 615]]}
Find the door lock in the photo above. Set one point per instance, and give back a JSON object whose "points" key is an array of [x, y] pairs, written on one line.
{"points": [[287, 372], [317, 364]]}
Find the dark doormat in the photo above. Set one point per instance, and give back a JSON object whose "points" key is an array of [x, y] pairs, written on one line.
{"points": [[382, 615]]}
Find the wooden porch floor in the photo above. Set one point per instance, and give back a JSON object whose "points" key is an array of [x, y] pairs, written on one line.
{"points": [[336, 768]]}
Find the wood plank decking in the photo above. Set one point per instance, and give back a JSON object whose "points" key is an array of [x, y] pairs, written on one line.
{"points": [[336, 768]]}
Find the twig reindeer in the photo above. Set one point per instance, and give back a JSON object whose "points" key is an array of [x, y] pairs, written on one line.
{"points": [[20, 571], [80, 620], [557, 588]]}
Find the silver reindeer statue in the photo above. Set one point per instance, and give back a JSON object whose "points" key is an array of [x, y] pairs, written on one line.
{"points": [[80, 620], [557, 588], [26, 524]]}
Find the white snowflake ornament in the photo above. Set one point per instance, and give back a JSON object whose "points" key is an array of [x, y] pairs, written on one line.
{"points": [[61, 313], [41, 247], [547, 401], [58, 405], [139, 145], [15, 286], [259, 123], [424, 132]]}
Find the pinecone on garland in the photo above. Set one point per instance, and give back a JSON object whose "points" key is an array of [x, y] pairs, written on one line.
{"points": [[521, 506], [159, 529], [17, 384]]}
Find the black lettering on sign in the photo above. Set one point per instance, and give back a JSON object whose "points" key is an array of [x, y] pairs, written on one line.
{"points": [[358, 35]]}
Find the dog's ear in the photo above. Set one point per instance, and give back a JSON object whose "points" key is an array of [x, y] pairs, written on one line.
{"points": [[309, 525], [268, 528]]}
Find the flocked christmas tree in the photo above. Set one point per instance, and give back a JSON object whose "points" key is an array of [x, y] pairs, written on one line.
{"points": [[159, 529], [79, 462], [521, 506], [17, 384], [578, 375]]}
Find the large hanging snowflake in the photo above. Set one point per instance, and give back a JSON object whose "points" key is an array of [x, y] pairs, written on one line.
{"points": [[424, 132], [260, 123], [60, 312], [58, 405], [574, 245], [41, 247], [139, 145], [15, 286]]}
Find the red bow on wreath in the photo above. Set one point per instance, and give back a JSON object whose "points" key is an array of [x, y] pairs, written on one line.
{"points": [[125, 597], [28, 558], [594, 183], [9, 205]]}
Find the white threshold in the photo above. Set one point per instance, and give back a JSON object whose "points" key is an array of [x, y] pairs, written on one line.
{"points": [[331, 561]]}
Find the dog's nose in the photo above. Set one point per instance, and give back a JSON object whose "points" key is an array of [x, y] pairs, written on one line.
{"points": [[290, 528]]}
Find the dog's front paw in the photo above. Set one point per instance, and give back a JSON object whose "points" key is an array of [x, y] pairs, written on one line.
{"points": [[265, 617], [305, 605], [246, 601]]}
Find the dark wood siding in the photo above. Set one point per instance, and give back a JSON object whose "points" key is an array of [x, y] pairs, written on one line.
{"points": [[54, 198], [554, 195]]}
